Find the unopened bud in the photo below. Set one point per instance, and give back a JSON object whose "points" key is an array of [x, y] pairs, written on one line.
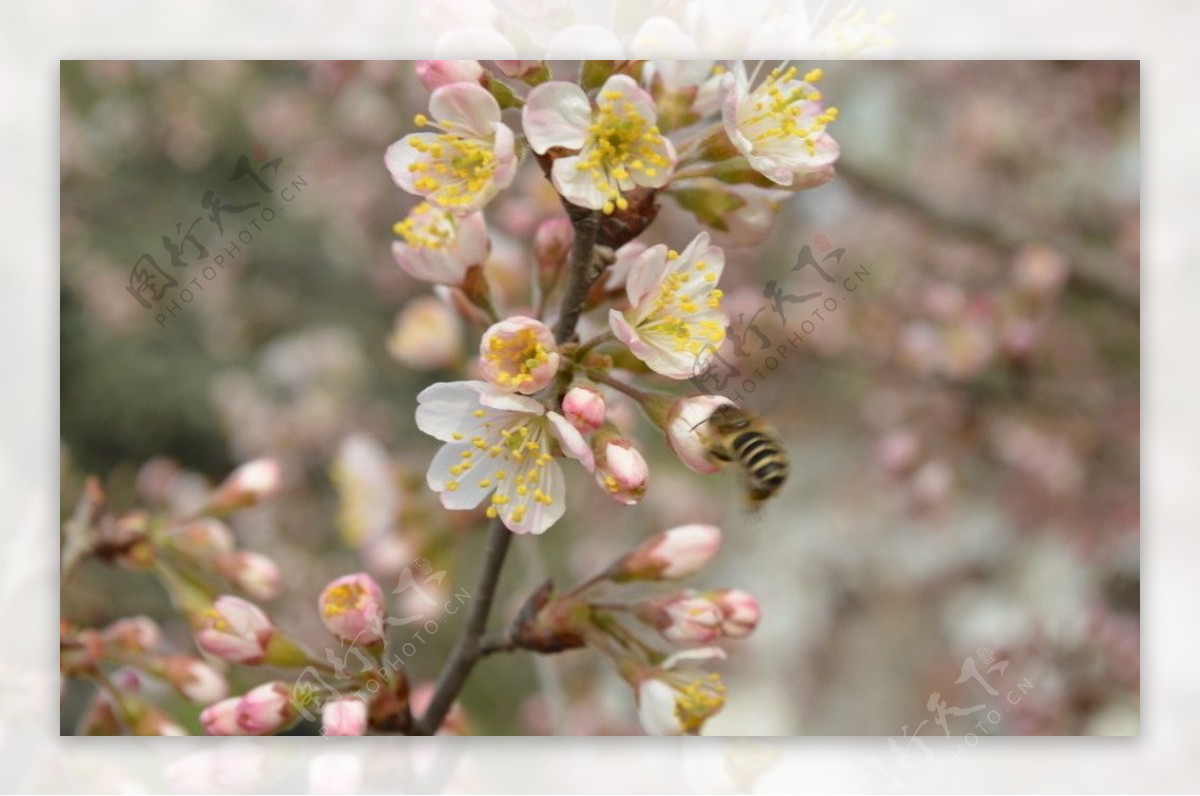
{"points": [[133, 634], [221, 718], [684, 618], [621, 470], [676, 553], [435, 74], [522, 70], [248, 485], [235, 630], [194, 678], [204, 539], [584, 409], [253, 573], [551, 248], [687, 431], [345, 716], [740, 611], [266, 709], [353, 609]]}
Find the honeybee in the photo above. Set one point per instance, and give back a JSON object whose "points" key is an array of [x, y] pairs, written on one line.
{"points": [[738, 436]]}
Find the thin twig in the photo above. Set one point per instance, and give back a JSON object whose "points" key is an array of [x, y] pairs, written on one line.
{"points": [[466, 651], [580, 278], [1090, 272]]}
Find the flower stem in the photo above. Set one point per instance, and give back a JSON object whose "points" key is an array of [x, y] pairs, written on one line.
{"points": [[470, 647], [580, 278], [467, 649]]}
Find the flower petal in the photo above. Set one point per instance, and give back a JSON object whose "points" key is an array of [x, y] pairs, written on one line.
{"points": [[468, 491], [446, 410], [401, 155], [646, 273], [577, 187], [571, 441], [465, 107], [556, 114], [656, 708], [473, 244], [506, 161]]}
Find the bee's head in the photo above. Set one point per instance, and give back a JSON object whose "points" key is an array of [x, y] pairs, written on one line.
{"points": [[727, 417]]}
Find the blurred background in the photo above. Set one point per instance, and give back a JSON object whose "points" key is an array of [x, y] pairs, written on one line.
{"points": [[959, 537]]}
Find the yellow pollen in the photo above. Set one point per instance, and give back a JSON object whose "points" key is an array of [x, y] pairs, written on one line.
{"points": [[697, 700], [622, 148], [342, 598], [514, 357]]}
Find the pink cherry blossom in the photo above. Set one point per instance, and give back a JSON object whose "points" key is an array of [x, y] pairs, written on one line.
{"points": [[353, 608], [439, 246], [779, 126], [435, 74], [675, 323], [519, 354], [461, 168], [499, 444], [618, 145]]}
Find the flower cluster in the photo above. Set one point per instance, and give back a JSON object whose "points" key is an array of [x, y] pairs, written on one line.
{"points": [[182, 537], [657, 634], [725, 145]]}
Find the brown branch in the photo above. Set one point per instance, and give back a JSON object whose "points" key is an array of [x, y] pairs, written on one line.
{"points": [[466, 650], [473, 644], [1090, 272]]}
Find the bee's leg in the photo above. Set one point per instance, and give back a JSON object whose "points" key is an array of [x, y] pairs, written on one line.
{"points": [[720, 453]]}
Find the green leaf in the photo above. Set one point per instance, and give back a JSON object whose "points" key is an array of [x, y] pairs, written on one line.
{"points": [[593, 73], [503, 94], [709, 207]]}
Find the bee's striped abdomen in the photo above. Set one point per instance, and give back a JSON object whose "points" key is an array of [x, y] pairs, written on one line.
{"points": [[765, 463]]}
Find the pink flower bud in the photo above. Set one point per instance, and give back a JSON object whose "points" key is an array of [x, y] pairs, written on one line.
{"points": [[352, 608], [519, 354], [740, 611], [673, 554], [248, 485], [253, 573], [128, 679], [897, 451], [684, 618], [621, 471], [221, 718], [435, 74], [428, 335], [205, 538], [134, 634], [235, 630], [266, 709], [518, 69], [80, 651], [687, 430], [346, 716], [584, 409], [195, 679], [1040, 272], [551, 246]]}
